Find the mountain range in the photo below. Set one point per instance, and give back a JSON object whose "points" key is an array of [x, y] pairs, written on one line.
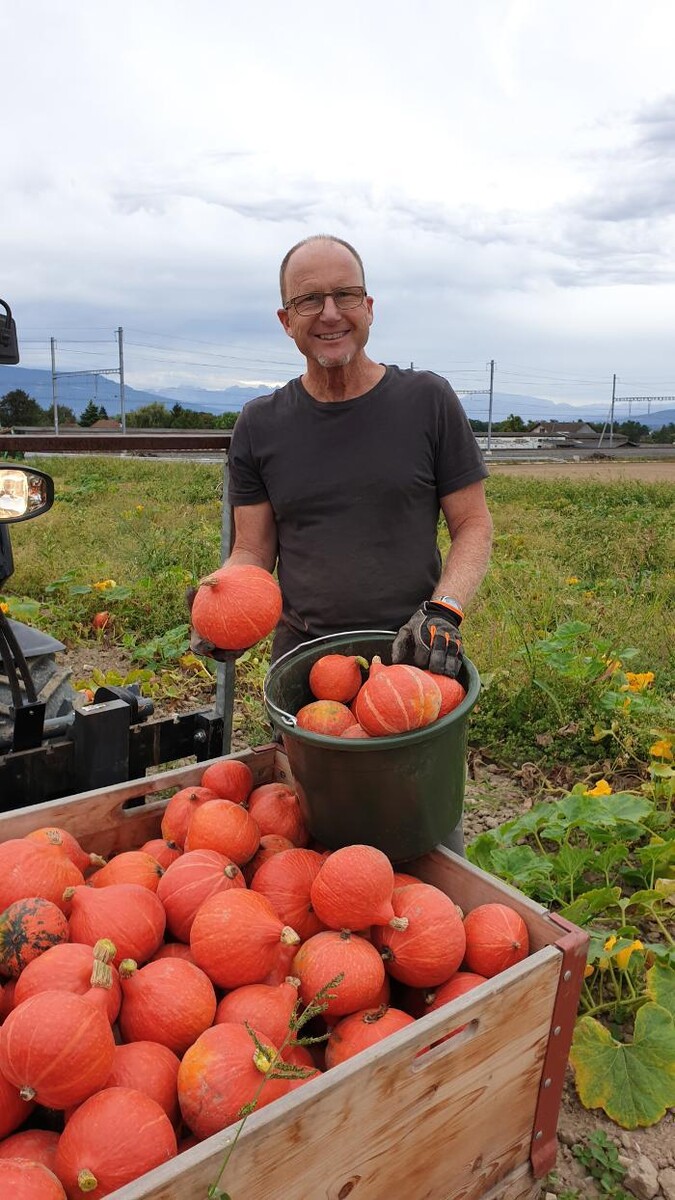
{"points": [[76, 391]]}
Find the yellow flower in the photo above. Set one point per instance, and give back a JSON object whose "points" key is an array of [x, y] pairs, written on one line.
{"points": [[572, 579], [602, 788], [603, 961], [623, 957], [588, 970], [4, 607], [139, 508], [104, 584], [637, 682], [662, 749], [613, 664]]}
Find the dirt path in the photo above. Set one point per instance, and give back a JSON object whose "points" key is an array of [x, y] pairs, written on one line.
{"points": [[603, 472]]}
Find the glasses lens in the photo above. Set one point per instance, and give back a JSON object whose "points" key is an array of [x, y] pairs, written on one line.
{"points": [[348, 297], [311, 303]]}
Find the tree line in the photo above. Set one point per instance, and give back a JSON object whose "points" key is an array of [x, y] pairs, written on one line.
{"points": [[18, 408]]}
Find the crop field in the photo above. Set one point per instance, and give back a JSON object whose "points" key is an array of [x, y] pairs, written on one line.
{"points": [[572, 631]]}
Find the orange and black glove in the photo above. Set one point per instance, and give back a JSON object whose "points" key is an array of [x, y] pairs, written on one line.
{"points": [[431, 638]]}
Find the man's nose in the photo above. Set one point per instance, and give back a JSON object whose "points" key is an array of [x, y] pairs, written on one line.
{"points": [[331, 312]]}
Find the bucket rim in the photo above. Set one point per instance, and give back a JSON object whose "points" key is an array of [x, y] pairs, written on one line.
{"points": [[287, 722]]}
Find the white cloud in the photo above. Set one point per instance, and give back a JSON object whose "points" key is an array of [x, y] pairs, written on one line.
{"points": [[507, 171]]}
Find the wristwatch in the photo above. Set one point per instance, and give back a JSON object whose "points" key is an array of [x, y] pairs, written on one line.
{"points": [[450, 602]]}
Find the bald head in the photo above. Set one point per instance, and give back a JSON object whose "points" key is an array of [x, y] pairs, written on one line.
{"points": [[317, 237]]}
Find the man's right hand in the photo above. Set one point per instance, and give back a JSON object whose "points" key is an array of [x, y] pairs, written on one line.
{"points": [[200, 646]]}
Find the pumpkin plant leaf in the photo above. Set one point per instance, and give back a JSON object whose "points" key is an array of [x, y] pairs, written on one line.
{"points": [[661, 987], [627, 806], [633, 1083], [589, 904], [521, 866], [666, 889], [659, 856], [644, 900], [571, 861], [610, 857]]}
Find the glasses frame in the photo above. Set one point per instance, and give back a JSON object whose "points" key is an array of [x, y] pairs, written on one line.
{"points": [[295, 300]]}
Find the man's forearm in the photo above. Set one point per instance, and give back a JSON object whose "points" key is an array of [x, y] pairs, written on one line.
{"points": [[466, 562]]}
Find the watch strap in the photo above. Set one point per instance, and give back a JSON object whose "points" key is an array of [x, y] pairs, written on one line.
{"points": [[451, 603]]}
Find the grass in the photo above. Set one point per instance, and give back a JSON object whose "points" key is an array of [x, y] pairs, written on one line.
{"points": [[566, 554]]}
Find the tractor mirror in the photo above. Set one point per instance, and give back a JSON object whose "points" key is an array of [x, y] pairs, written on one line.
{"points": [[24, 493], [9, 346]]}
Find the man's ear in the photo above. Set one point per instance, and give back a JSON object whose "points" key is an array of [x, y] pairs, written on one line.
{"points": [[282, 314]]}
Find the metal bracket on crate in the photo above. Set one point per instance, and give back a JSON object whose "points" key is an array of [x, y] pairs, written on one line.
{"points": [[574, 947]]}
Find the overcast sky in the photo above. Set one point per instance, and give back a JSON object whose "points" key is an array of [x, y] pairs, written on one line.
{"points": [[506, 168]]}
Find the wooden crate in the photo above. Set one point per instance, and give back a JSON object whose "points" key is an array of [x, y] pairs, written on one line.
{"points": [[473, 1119]]}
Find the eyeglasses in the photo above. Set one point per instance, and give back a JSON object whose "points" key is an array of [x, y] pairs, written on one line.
{"points": [[313, 302]]}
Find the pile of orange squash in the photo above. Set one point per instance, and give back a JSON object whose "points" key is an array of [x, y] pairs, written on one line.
{"points": [[127, 986], [357, 699]]}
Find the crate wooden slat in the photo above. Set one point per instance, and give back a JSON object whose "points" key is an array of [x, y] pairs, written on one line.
{"points": [[459, 1122]]}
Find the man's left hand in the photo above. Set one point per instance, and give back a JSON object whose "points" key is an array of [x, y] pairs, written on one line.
{"points": [[430, 640]]}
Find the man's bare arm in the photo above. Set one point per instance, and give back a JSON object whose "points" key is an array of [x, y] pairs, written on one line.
{"points": [[470, 526], [255, 540]]}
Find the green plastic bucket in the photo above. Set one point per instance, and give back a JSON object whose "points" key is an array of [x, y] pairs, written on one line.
{"points": [[403, 794]]}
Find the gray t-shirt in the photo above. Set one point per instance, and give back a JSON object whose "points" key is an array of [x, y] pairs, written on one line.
{"points": [[355, 489]]}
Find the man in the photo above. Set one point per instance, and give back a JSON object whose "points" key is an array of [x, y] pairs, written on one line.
{"points": [[338, 478]]}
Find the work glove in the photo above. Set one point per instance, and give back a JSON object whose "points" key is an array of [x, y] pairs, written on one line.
{"points": [[206, 649], [431, 640]]}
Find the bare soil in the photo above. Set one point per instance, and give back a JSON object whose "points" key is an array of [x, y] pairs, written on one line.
{"points": [[602, 471]]}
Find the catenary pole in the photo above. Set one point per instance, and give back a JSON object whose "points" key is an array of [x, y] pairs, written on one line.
{"points": [[120, 343], [54, 388], [492, 381], [611, 413]]}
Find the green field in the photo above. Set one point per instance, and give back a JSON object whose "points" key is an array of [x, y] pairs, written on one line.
{"points": [[580, 593]]}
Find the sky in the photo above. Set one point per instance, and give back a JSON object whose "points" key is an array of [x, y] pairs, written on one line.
{"points": [[505, 168]]}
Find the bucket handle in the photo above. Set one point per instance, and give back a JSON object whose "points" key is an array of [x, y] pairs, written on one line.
{"points": [[288, 719]]}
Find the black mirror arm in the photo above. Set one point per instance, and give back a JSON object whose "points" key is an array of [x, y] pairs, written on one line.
{"points": [[15, 665]]}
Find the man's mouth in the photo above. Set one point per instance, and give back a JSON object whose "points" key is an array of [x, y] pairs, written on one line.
{"points": [[332, 337]]}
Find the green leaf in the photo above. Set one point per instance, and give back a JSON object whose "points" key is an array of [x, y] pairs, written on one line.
{"points": [[480, 850], [633, 1083], [627, 806], [589, 904], [119, 592], [610, 857], [646, 900], [520, 865], [661, 986], [571, 861], [659, 856], [22, 608]]}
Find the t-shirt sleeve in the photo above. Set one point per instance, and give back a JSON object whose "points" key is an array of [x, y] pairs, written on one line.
{"points": [[245, 484], [459, 460]]}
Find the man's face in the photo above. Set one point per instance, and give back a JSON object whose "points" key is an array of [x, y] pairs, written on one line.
{"points": [[334, 337]]}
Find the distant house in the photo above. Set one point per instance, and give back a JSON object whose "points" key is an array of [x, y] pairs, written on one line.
{"points": [[567, 429], [579, 433]]}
